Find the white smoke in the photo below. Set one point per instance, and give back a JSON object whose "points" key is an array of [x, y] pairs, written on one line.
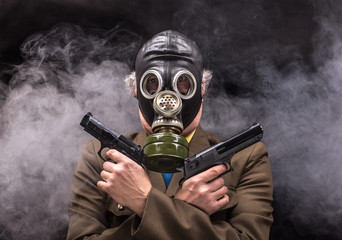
{"points": [[41, 139], [300, 110]]}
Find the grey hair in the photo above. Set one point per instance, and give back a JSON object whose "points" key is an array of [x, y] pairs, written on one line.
{"points": [[206, 79], [130, 82]]}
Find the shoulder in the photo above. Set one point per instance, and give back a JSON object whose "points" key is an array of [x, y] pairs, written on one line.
{"points": [[90, 152], [213, 139], [137, 137], [90, 164], [251, 162], [256, 149], [202, 140], [250, 155], [254, 154]]}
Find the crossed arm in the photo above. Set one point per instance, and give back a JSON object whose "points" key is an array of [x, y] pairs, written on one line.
{"points": [[189, 215], [126, 182]]}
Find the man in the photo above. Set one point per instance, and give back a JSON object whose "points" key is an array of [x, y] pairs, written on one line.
{"points": [[122, 200]]}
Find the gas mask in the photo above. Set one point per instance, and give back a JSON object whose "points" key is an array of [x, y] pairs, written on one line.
{"points": [[168, 73]]}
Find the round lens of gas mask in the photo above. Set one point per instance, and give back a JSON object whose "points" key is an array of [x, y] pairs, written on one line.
{"points": [[150, 84], [184, 83]]}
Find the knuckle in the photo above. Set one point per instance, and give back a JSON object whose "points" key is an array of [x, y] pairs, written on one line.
{"points": [[111, 153], [127, 163], [220, 181], [223, 168], [194, 181], [214, 171], [101, 186], [111, 178], [222, 191], [202, 193], [217, 170], [119, 170], [225, 200]]}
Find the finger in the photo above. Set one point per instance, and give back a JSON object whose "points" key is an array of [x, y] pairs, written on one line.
{"points": [[220, 192], [109, 166], [102, 185], [218, 204], [216, 184], [105, 175], [116, 156], [212, 173], [223, 201]]}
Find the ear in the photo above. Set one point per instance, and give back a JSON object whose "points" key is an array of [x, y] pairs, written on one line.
{"points": [[135, 92], [206, 79], [130, 82]]}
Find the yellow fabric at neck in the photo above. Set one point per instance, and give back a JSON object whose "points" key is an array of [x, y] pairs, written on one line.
{"points": [[189, 137]]}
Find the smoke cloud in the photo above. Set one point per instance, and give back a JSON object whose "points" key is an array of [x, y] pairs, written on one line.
{"points": [[300, 110], [66, 74], [259, 76]]}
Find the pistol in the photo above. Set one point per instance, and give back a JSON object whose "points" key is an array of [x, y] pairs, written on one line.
{"points": [[220, 153], [111, 139]]}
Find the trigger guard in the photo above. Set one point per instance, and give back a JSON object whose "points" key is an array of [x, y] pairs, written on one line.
{"points": [[102, 153], [228, 166]]}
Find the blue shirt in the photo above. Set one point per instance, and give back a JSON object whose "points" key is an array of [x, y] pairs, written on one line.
{"points": [[167, 178]]}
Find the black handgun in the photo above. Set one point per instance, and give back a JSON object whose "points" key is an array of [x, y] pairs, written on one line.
{"points": [[111, 139], [220, 153]]}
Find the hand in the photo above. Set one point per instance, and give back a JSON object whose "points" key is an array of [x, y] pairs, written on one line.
{"points": [[126, 182], [205, 190]]}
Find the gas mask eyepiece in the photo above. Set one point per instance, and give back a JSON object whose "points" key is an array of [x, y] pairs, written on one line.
{"points": [[150, 84], [184, 83]]}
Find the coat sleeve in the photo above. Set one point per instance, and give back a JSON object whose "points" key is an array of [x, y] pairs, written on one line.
{"points": [[250, 218], [168, 218], [88, 215]]}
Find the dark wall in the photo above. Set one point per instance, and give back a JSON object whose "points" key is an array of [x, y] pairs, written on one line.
{"points": [[286, 22]]}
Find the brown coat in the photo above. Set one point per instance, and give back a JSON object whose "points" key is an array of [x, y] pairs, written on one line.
{"points": [[248, 215]]}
